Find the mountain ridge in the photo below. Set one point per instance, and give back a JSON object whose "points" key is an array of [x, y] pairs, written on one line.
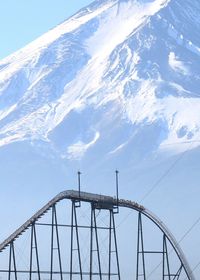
{"points": [[57, 58]]}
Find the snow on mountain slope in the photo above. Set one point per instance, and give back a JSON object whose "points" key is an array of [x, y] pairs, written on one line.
{"points": [[136, 58]]}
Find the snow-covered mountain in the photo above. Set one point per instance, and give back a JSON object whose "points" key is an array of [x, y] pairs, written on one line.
{"points": [[136, 61], [116, 85]]}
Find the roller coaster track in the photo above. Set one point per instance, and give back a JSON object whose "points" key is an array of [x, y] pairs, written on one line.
{"points": [[103, 201]]}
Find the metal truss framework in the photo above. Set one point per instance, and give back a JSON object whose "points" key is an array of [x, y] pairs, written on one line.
{"points": [[141, 252], [97, 202]]}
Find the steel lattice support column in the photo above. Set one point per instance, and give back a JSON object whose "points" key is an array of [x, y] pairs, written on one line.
{"points": [[113, 245], [140, 249], [34, 247], [55, 234], [94, 238], [74, 227], [12, 262]]}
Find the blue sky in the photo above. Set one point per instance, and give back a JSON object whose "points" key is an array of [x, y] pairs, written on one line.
{"points": [[22, 21]]}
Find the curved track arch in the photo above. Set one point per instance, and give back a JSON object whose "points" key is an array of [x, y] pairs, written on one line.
{"points": [[104, 202]]}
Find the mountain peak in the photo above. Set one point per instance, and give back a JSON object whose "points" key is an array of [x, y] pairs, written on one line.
{"points": [[124, 57]]}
